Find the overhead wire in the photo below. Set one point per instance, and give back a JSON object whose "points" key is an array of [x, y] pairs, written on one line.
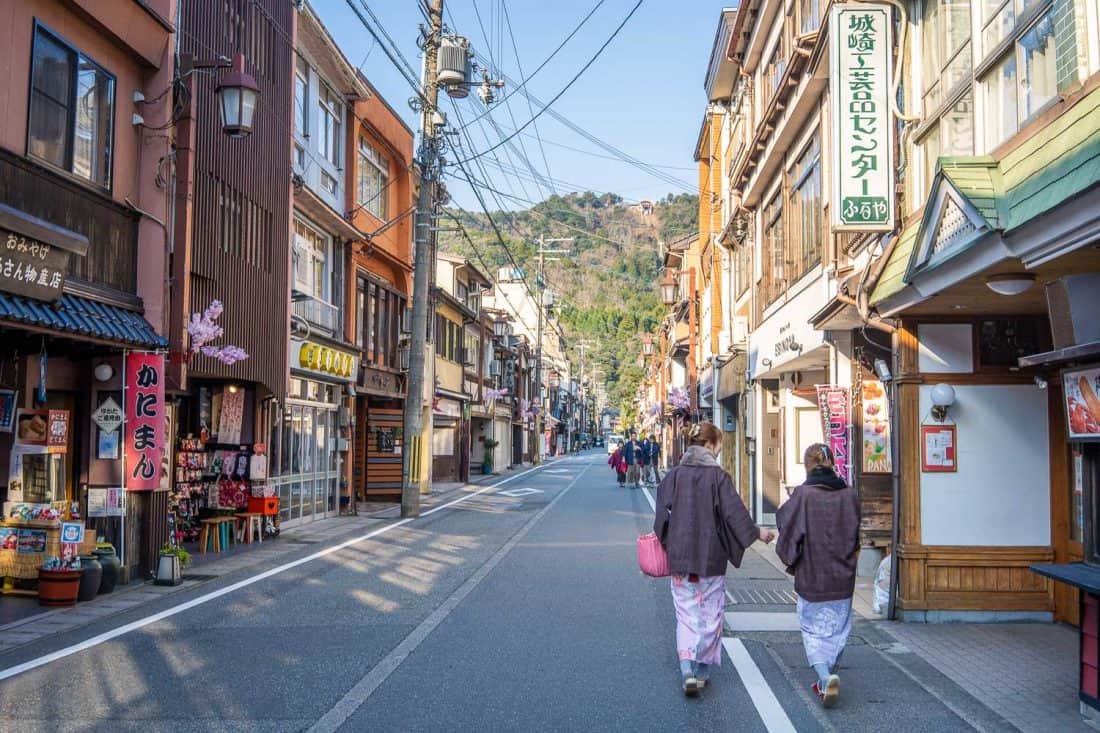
{"points": [[530, 107], [572, 81]]}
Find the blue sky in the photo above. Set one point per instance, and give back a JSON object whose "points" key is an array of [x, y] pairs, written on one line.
{"points": [[644, 94]]}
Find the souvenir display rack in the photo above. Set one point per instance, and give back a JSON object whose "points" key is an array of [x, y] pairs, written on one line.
{"points": [[210, 478]]}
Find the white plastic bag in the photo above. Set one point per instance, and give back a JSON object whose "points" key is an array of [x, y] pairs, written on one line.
{"points": [[882, 587]]}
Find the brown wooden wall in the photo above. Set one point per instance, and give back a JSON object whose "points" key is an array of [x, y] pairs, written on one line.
{"points": [[111, 228], [241, 218]]}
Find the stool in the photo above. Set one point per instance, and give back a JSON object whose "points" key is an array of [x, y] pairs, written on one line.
{"points": [[228, 530], [208, 538], [251, 526]]}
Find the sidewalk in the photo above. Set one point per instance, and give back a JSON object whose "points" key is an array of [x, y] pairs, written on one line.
{"points": [[1025, 672], [23, 621]]}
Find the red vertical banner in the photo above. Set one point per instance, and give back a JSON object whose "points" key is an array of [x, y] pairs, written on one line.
{"points": [[144, 432]]}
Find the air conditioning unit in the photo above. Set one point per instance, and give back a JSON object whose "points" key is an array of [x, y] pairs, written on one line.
{"points": [[465, 357], [1074, 301]]}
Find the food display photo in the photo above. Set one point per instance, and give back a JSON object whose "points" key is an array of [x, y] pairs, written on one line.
{"points": [[1082, 388]]}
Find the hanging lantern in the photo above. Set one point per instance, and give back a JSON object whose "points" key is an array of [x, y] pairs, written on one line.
{"points": [[238, 95], [668, 291]]}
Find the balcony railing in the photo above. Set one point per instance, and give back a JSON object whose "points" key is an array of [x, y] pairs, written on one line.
{"points": [[317, 312]]}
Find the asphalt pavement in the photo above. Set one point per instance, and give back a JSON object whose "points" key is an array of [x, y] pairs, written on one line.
{"points": [[518, 607]]}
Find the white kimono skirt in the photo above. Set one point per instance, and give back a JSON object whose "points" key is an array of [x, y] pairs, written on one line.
{"points": [[700, 609], [825, 628]]}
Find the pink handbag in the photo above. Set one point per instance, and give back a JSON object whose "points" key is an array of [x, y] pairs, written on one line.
{"points": [[652, 558]]}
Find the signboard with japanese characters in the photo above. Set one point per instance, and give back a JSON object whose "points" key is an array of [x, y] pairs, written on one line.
{"points": [[32, 268], [108, 416], [860, 71], [833, 403], [143, 433]]}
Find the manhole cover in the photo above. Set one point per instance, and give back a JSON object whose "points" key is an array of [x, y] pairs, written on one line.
{"points": [[764, 597], [198, 576]]}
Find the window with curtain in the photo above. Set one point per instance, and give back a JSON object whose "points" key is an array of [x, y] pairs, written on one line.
{"points": [[805, 198], [311, 261], [774, 251], [1025, 77], [372, 180], [809, 15], [951, 135], [71, 115], [946, 50], [328, 124]]}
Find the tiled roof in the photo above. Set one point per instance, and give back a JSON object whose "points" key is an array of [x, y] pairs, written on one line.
{"points": [[82, 317]]}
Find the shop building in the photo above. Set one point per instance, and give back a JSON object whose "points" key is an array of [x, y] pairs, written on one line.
{"points": [[381, 197], [315, 472], [231, 244], [81, 204], [457, 327]]}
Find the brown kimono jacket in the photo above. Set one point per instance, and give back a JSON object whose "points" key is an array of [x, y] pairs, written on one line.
{"points": [[819, 537], [691, 501]]}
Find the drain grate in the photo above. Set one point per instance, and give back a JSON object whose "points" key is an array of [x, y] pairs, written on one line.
{"points": [[764, 597], [198, 576]]}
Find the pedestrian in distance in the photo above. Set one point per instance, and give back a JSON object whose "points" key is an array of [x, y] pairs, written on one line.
{"points": [[654, 460], [632, 452], [703, 526], [819, 543], [618, 465]]}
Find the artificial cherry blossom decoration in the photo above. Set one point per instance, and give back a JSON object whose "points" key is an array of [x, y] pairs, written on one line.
{"points": [[678, 398], [203, 329]]}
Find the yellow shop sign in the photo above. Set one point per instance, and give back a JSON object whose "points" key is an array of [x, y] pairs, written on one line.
{"points": [[327, 360]]}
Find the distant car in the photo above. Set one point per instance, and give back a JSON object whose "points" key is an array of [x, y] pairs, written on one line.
{"points": [[613, 443], [599, 441]]}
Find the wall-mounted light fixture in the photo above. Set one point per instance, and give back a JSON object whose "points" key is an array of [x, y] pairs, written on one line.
{"points": [[882, 369], [103, 372], [668, 291], [1013, 283], [943, 397]]}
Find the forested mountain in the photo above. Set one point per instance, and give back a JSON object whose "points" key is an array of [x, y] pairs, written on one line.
{"points": [[607, 285]]}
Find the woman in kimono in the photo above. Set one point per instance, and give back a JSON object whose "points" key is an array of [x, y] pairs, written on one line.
{"points": [[703, 526], [819, 543], [618, 465]]}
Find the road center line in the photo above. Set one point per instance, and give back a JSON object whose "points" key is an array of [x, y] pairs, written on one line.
{"points": [[358, 695], [767, 705], [106, 636]]}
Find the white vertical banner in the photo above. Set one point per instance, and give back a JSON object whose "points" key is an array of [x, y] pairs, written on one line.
{"points": [[861, 47]]}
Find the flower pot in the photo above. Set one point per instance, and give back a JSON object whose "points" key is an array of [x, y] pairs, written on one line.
{"points": [[58, 587], [93, 576], [168, 569], [112, 568]]}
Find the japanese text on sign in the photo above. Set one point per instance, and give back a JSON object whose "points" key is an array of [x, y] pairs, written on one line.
{"points": [[33, 268], [861, 46], [144, 431], [833, 404]]}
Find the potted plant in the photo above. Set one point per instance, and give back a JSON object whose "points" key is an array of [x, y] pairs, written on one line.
{"points": [[487, 464], [170, 564]]}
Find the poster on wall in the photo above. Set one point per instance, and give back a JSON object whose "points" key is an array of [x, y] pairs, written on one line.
{"points": [[232, 415], [32, 427], [8, 399], [144, 438], [938, 449], [106, 502], [1082, 390], [833, 403], [32, 540], [876, 428]]}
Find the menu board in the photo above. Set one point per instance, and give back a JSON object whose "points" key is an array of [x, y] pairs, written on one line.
{"points": [[1082, 393]]}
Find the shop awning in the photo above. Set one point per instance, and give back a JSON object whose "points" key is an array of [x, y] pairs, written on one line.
{"points": [[979, 198], [82, 318]]}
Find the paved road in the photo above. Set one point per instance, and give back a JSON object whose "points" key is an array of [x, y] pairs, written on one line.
{"points": [[518, 609]]}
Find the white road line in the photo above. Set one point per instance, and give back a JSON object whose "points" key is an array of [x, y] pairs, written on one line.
{"points": [[106, 636], [358, 695], [767, 705], [653, 506]]}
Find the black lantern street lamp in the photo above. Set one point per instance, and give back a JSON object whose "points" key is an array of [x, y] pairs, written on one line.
{"points": [[647, 345], [668, 291], [238, 96]]}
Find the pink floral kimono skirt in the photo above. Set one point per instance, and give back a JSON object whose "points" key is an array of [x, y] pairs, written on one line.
{"points": [[700, 607]]}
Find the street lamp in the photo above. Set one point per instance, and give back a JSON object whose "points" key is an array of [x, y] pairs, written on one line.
{"points": [[238, 95], [668, 291], [647, 345]]}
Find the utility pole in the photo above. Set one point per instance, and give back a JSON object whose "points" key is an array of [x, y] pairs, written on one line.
{"points": [[428, 160], [540, 288]]}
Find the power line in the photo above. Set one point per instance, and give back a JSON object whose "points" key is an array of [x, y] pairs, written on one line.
{"points": [[530, 107], [572, 81]]}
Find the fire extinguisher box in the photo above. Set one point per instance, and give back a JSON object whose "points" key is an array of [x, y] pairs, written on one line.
{"points": [[266, 505]]}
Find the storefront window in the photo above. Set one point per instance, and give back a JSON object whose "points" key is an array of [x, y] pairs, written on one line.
{"points": [[308, 483]]}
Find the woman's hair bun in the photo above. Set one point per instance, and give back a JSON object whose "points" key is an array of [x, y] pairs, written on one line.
{"points": [[701, 433]]}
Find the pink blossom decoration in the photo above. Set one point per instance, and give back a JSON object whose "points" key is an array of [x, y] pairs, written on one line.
{"points": [[678, 398], [202, 329]]}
